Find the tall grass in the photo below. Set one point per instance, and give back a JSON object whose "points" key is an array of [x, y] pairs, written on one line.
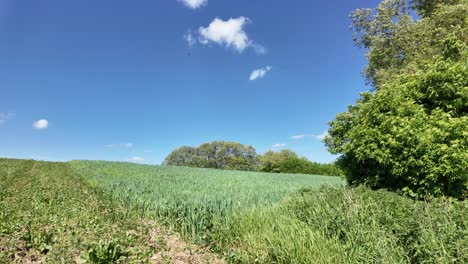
{"points": [[348, 226], [192, 199]]}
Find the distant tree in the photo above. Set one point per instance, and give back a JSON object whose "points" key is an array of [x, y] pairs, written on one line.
{"points": [[182, 156], [272, 161], [410, 133], [287, 161], [217, 155]]}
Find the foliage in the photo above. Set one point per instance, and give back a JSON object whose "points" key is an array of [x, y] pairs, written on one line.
{"points": [[287, 161], [216, 155], [411, 133], [104, 252], [349, 226]]}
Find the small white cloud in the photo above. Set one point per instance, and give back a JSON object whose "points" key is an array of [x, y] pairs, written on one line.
{"points": [[259, 73], [297, 137], [229, 33], [136, 159], [259, 49], [321, 136], [41, 124], [279, 145], [194, 4], [119, 145], [6, 116]]}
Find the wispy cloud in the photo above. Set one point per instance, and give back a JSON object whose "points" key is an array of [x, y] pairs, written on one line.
{"points": [[136, 159], [279, 145], [5, 116], [194, 4], [190, 38], [321, 136], [259, 73], [297, 137], [41, 124], [228, 33], [120, 145]]}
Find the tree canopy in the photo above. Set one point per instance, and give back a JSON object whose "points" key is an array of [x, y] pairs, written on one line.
{"points": [[287, 161], [216, 155], [410, 132]]}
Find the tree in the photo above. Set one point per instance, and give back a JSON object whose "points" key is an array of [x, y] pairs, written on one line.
{"points": [[217, 155], [410, 133], [287, 161], [182, 156], [272, 161]]}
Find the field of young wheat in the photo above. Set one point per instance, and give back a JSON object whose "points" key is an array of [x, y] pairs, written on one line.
{"points": [[193, 199]]}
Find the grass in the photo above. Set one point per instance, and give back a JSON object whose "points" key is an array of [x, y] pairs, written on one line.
{"points": [[57, 212], [192, 200], [348, 226], [48, 215]]}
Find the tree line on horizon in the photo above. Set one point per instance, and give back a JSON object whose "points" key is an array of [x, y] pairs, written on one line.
{"points": [[236, 156]]}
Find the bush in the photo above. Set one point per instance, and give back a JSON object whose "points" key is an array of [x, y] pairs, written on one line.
{"points": [[287, 161], [410, 134]]}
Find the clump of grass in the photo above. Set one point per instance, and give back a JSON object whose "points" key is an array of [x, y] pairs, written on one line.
{"points": [[348, 226]]}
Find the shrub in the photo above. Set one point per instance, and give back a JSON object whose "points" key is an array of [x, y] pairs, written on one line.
{"points": [[410, 134]]}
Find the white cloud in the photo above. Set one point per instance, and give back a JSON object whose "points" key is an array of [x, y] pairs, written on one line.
{"points": [[297, 137], [190, 39], [41, 124], [136, 159], [259, 73], [119, 145], [194, 4], [321, 136], [279, 145], [6, 116], [229, 33]]}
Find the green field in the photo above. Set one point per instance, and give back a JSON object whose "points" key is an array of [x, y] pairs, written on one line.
{"points": [[58, 212], [193, 199]]}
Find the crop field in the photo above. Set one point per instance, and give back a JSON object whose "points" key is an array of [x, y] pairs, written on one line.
{"points": [[193, 199]]}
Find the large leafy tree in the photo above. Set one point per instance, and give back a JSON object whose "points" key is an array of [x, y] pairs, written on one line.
{"points": [[216, 155], [410, 133]]}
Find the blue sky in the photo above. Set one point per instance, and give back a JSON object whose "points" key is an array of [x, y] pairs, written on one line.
{"points": [[132, 80]]}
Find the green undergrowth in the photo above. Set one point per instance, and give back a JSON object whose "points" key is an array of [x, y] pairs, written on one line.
{"points": [[348, 226], [47, 215]]}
